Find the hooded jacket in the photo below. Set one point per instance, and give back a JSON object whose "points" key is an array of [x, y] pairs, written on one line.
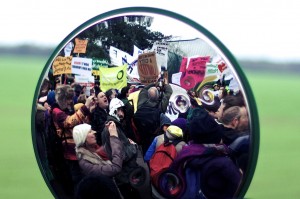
{"points": [[64, 124], [92, 164]]}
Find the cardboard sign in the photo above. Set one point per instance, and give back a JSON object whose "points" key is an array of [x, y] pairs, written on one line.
{"points": [[62, 65], [80, 45], [82, 66], [147, 68]]}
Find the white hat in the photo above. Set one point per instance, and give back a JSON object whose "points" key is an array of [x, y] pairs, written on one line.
{"points": [[114, 104], [79, 134]]}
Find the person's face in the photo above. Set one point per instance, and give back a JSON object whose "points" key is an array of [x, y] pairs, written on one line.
{"points": [[120, 113], [220, 93], [91, 138], [102, 100], [219, 113], [114, 94], [165, 127], [244, 120]]}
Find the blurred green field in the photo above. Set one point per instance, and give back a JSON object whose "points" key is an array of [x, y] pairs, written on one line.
{"points": [[277, 97]]}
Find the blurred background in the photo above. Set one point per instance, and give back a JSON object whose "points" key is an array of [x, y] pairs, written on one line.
{"points": [[264, 36]]}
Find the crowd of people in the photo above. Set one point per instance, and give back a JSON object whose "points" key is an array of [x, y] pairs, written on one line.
{"points": [[107, 144]]}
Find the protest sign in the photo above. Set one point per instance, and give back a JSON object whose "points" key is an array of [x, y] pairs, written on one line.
{"points": [[97, 63], [87, 81], [195, 72], [147, 68], [80, 45], [82, 66], [212, 69], [115, 77], [161, 50], [62, 65], [119, 57], [68, 49]]}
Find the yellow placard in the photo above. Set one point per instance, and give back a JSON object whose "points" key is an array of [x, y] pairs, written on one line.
{"points": [[62, 65], [115, 77], [80, 45]]}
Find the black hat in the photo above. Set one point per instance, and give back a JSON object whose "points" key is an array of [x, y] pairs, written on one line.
{"points": [[203, 129]]}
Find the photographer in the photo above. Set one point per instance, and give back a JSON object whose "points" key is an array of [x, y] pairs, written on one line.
{"points": [[155, 94], [152, 101]]}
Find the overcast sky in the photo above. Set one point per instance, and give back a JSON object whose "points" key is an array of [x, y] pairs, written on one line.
{"points": [[249, 29]]}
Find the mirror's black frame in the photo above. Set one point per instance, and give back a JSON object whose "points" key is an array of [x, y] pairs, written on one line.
{"points": [[253, 113]]}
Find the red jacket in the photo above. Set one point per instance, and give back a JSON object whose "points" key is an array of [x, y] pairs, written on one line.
{"points": [[64, 124]]}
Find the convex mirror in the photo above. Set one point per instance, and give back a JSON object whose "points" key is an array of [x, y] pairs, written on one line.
{"points": [[136, 47]]}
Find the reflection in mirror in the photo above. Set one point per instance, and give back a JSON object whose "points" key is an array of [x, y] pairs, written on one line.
{"points": [[125, 88]]}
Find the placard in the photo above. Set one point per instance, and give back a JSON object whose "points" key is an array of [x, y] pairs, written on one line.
{"points": [[147, 68]]}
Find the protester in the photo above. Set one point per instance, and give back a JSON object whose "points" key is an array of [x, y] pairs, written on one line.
{"points": [[64, 119], [99, 115], [110, 94], [171, 134], [203, 156], [93, 159], [229, 101], [236, 135], [151, 103], [123, 113]]}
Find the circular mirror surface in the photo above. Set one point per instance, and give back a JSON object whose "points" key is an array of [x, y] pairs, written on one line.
{"points": [[131, 83]]}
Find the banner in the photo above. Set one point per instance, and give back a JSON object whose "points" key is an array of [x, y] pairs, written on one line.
{"points": [[161, 50], [136, 52], [82, 66], [115, 77], [147, 68], [132, 72], [62, 65], [97, 63], [119, 57], [195, 72], [80, 45]]}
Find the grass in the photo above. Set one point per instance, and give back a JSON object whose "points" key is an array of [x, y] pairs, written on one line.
{"points": [[277, 97]]}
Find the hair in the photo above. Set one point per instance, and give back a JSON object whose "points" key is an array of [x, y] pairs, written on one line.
{"points": [[124, 91], [97, 90], [230, 113], [77, 88], [81, 98], [233, 100], [62, 94], [153, 94]]}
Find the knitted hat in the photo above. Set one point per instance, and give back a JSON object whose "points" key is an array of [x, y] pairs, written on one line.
{"points": [[203, 128], [51, 98], [79, 133], [174, 132], [180, 122]]}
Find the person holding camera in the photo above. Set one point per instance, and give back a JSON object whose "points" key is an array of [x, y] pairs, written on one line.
{"points": [[152, 101]]}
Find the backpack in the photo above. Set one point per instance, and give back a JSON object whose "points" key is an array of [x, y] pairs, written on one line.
{"points": [[147, 119], [193, 184], [161, 160]]}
